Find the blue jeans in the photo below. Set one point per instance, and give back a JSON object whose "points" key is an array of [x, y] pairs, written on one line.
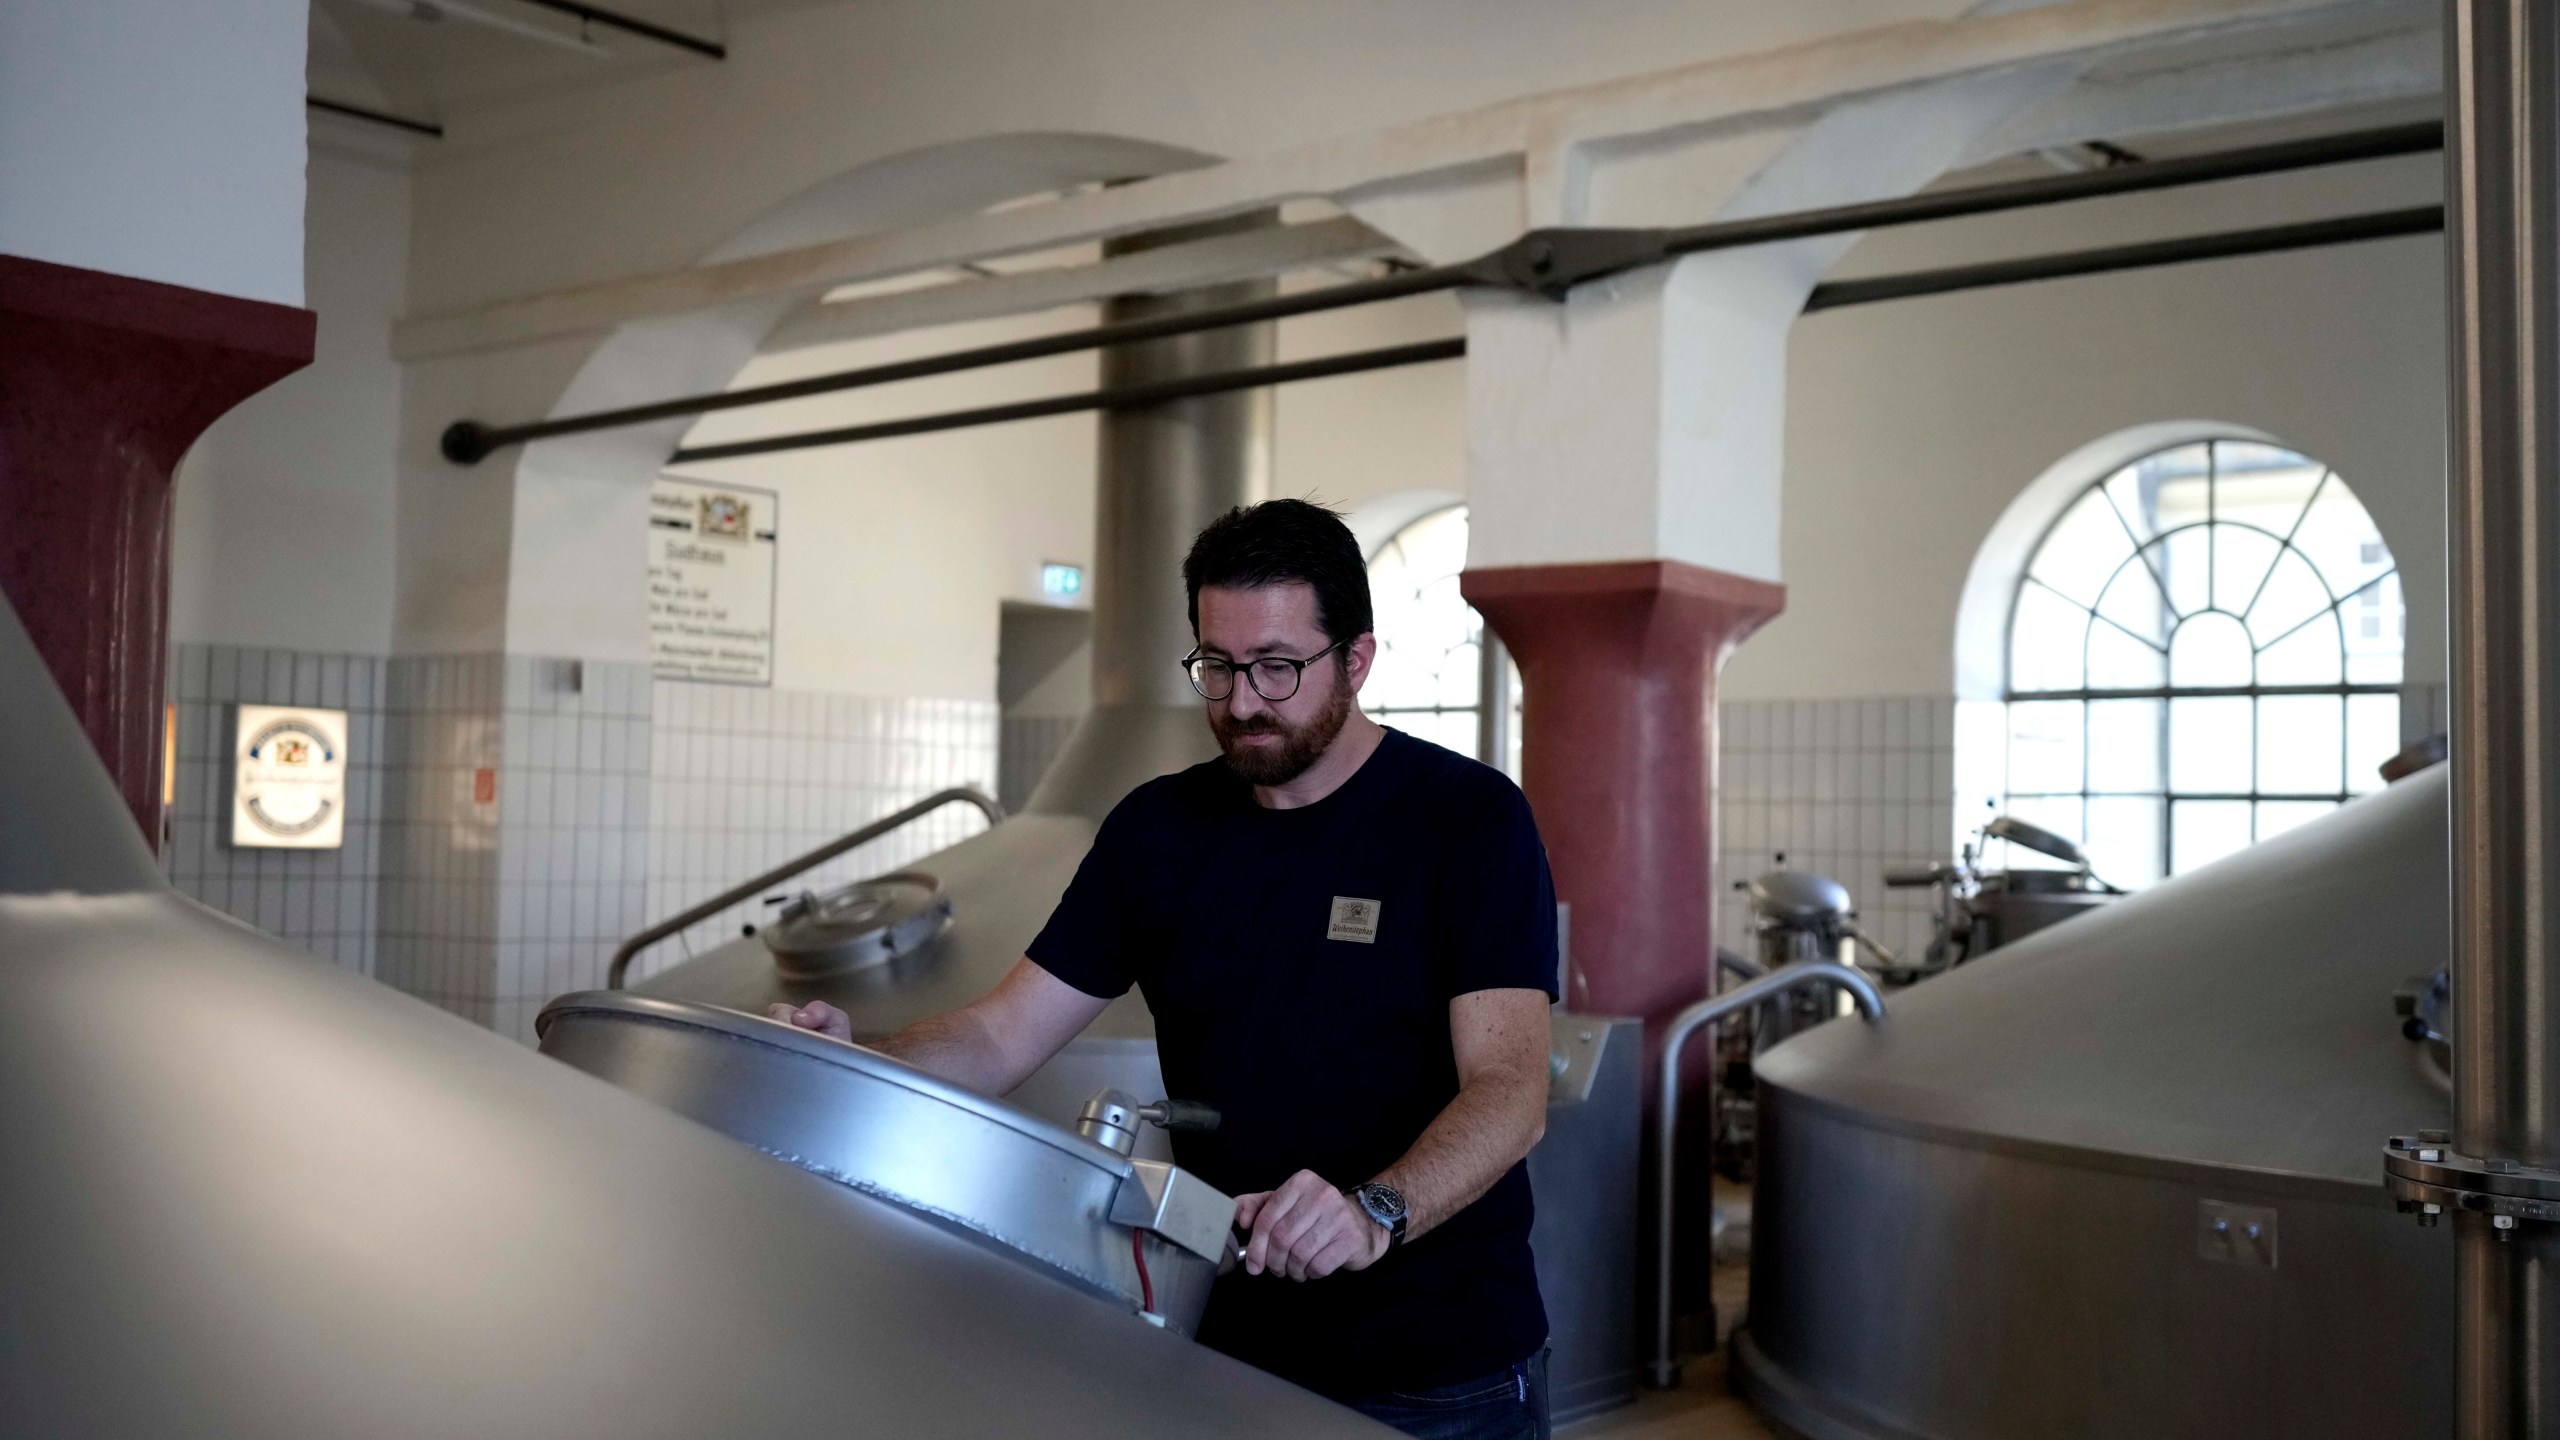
{"points": [[1509, 1404]]}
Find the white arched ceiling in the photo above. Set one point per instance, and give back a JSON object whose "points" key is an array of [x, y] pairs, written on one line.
{"points": [[576, 575]]}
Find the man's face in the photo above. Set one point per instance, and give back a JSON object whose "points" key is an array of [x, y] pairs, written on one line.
{"points": [[1272, 742]]}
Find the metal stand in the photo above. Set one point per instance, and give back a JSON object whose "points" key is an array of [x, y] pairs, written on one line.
{"points": [[2498, 1171]]}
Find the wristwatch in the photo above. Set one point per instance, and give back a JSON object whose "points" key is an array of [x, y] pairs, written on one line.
{"points": [[1384, 1204]]}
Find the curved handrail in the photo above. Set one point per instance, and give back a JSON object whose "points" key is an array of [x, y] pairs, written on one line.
{"points": [[957, 794], [1665, 1370]]}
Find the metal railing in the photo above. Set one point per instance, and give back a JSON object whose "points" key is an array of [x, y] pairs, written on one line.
{"points": [[1739, 966], [1665, 1369], [958, 794]]}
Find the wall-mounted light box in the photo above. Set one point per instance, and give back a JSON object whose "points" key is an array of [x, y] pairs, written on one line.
{"points": [[1062, 582], [289, 778]]}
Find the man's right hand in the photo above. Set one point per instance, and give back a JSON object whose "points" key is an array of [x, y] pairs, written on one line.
{"points": [[817, 1015]]}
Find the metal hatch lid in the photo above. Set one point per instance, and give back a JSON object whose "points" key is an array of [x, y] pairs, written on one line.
{"points": [[856, 926], [2237, 1017], [809, 1045]]}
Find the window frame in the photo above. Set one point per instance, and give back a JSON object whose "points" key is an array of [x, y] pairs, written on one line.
{"points": [[2168, 795]]}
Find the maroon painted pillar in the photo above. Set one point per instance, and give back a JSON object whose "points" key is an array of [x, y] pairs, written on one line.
{"points": [[1618, 664], [105, 381]]}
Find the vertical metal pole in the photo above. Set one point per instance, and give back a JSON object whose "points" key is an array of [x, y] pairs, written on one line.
{"points": [[1167, 470], [2502, 247], [1493, 700]]}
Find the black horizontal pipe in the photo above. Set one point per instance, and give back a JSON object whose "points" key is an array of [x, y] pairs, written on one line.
{"points": [[1548, 262], [1835, 295], [466, 443], [2125, 179], [1153, 393], [634, 25], [379, 117], [2267, 240]]}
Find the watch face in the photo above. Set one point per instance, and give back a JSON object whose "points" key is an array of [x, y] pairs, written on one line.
{"points": [[1382, 1201]]}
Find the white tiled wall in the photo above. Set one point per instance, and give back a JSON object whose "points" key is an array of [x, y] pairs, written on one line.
{"points": [[440, 854], [574, 805], [321, 900], [1025, 744], [1841, 787], [612, 799], [742, 780]]}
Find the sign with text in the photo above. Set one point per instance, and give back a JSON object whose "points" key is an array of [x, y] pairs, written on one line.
{"points": [[289, 778], [711, 575]]}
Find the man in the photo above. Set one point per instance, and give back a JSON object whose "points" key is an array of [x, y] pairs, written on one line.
{"points": [[1347, 936]]}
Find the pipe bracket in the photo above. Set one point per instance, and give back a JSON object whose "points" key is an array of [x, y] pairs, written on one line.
{"points": [[2427, 1177]]}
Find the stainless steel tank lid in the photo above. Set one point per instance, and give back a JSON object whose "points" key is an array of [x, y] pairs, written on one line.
{"points": [[874, 1124], [1800, 897], [808, 1044], [857, 926]]}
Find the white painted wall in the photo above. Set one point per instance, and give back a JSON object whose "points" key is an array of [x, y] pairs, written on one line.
{"points": [[284, 533], [1912, 424], [156, 138], [897, 554]]}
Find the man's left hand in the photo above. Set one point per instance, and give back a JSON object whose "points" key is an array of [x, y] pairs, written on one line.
{"points": [[1307, 1229]]}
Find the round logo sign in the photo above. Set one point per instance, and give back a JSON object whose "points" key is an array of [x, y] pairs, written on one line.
{"points": [[289, 778]]}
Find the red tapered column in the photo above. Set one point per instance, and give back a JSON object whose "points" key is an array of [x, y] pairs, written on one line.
{"points": [[105, 381], [1618, 664]]}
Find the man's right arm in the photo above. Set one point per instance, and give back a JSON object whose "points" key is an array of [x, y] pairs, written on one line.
{"points": [[991, 1044]]}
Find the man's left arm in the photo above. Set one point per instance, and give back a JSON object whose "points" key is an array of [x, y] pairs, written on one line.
{"points": [[1309, 1228]]}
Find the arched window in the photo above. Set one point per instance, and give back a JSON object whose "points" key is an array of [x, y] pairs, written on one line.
{"points": [[1428, 680], [2204, 651]]}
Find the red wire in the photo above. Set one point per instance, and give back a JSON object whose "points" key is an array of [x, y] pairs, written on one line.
{"points": [[1138, 1252]]}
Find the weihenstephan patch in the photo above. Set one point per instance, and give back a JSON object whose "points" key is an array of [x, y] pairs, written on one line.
{"points": [[1354, 919]]}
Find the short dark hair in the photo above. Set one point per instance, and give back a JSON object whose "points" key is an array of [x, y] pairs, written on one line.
{"points": [[1280, 542]]}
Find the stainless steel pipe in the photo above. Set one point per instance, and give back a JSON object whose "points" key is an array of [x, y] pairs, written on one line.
{"points": [[1664, 1371], [2503, 524]]}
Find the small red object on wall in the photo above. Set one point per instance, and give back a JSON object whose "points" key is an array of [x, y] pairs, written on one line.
{"points": [[484, 786]]}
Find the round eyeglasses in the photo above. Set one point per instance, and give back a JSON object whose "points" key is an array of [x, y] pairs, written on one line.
{"points": [[1273, 677]]}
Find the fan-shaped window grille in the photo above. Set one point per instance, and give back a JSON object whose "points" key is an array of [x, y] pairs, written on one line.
{"points": [[2204, 652], [1428, 678]]}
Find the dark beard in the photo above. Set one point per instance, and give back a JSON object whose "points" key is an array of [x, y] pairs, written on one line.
{"points": [[1300, 747]]}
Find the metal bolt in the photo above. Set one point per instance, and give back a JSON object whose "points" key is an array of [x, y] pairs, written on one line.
{"points": [[2432, 1209], [2503, 1223], [2431, 1156], [2427, 1218]]}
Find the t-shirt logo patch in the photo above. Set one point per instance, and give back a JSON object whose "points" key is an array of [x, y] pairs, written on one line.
{"points": [[1354, 919]]}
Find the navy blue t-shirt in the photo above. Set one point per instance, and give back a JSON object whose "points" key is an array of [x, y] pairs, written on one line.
{"points": [[1300, 965]]}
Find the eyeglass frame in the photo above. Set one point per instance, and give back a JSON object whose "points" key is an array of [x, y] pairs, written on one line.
{"points": [[1233, 669]]}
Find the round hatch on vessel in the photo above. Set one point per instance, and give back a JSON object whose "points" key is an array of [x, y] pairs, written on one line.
{"points": [[867, 923]]}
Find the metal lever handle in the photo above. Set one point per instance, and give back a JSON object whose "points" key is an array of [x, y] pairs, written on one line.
{"points": [[1187, 1117]]}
